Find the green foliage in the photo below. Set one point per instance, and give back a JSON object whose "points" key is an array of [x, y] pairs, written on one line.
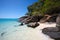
{"points": [[43, 6], [35, 8], [50, 4]]}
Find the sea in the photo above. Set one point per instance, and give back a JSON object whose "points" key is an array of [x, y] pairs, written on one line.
{"points": [[10, 29]]}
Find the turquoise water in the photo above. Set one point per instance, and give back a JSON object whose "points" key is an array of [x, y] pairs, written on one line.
{"points": [[10, 30], [7, 26], [7, 23]]}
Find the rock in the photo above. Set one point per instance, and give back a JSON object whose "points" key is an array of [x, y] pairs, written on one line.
{"points": [[36, 18], [25, 19], [21, 24], [43, 19], [3, 33], [57, 38], [50, 29], [22, 18], [58, 22], [52, 19], [52, 32], [33, 24], [29, 19]]}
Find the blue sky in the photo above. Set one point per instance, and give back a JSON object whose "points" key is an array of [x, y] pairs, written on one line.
{"points": [[14, 8]]}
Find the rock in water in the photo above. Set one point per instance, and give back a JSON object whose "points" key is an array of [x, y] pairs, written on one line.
{"points": [[21, 24], [33, 24], [3, 33]]}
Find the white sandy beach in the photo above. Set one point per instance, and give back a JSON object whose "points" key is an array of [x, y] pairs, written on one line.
{"points": [[27, 33]]}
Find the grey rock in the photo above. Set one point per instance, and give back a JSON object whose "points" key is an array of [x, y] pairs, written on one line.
{"points": [[22, 18], [52, 19], [29, 19], [51, 29], [3, 33], [53, 32], [33, 24], [58, 22], [21, 24]]}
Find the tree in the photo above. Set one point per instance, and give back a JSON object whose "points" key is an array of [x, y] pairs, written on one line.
{"points": [[50, 6], [44, 7], [35, 8]]}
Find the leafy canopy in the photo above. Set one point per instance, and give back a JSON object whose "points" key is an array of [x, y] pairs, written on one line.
{"points": [[43, 7]]}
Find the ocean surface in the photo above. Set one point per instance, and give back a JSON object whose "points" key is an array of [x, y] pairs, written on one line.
{"points": [[10, 30]]}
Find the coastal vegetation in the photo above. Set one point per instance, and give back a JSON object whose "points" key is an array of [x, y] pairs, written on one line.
{"points": [[45, 10]]}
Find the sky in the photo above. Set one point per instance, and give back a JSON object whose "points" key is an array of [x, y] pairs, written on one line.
{"points": [[14, 8]]}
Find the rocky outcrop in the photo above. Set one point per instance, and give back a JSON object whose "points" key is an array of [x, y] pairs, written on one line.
{"points": [[22, 18], [52, 19], [53, 32], [33, 24], [29, 19], [39, 18], [49, 19]]}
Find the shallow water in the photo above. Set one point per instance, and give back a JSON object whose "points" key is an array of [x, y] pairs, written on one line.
{"points": [[10, 30]]}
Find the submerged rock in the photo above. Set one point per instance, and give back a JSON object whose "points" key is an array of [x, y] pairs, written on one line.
{"points": [[21, 24], [33, 24], [3, 33]]}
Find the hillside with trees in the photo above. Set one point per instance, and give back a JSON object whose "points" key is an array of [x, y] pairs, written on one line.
{"points": [[42, 11]]}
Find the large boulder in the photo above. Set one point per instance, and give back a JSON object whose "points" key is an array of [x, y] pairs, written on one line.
{"points": [[50, 29], [33, 24], [52, 32], [58, 22], [52, 19]]}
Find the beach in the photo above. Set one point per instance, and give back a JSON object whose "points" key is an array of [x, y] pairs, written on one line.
{"points": [[10, 30]]}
